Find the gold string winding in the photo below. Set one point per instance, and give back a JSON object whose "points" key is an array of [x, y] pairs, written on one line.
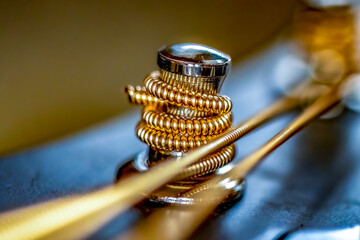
{"points": [[181, 113]]}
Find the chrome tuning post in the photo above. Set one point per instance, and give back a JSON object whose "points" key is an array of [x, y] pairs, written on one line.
{"points": [[183, 110]]}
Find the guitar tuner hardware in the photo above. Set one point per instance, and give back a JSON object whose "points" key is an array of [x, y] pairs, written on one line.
{"points": [[182, 111], [187, 126]]}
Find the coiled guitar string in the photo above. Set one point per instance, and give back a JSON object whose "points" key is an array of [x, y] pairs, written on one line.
{"points": [[181, 113]]}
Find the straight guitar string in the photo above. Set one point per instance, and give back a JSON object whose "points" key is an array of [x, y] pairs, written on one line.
{"points": [[176, 223], [44, 219]]}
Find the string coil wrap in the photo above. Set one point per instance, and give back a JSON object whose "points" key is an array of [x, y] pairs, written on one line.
{"points": [[181, 113]]}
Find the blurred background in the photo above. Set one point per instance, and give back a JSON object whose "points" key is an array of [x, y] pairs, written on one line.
{"points": [[64, 64]]}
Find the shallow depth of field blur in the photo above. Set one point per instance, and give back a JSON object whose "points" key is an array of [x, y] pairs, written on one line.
{"points": [[63, 65]]}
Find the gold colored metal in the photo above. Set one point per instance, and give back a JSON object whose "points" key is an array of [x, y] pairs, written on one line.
{"points": [[90, 211], [100, 206], [196, 84], [181, 97], [180, 113], [176, 223], [169, 132], [170, 124]]}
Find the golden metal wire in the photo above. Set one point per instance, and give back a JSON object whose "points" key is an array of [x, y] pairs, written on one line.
{"points": [[98, 207], [178, 223], [180, 114], [320, 32]]}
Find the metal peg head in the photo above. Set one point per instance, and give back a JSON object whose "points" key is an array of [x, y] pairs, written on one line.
{"points": [[207, 66], [193, 60]]}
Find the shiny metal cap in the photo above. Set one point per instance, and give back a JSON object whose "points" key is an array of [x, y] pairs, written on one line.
{"points": [[193, 60]]}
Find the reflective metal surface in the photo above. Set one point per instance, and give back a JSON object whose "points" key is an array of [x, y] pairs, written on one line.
{"points": [[182, 111], [291, 189], [99, 207], [195, 60]]}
